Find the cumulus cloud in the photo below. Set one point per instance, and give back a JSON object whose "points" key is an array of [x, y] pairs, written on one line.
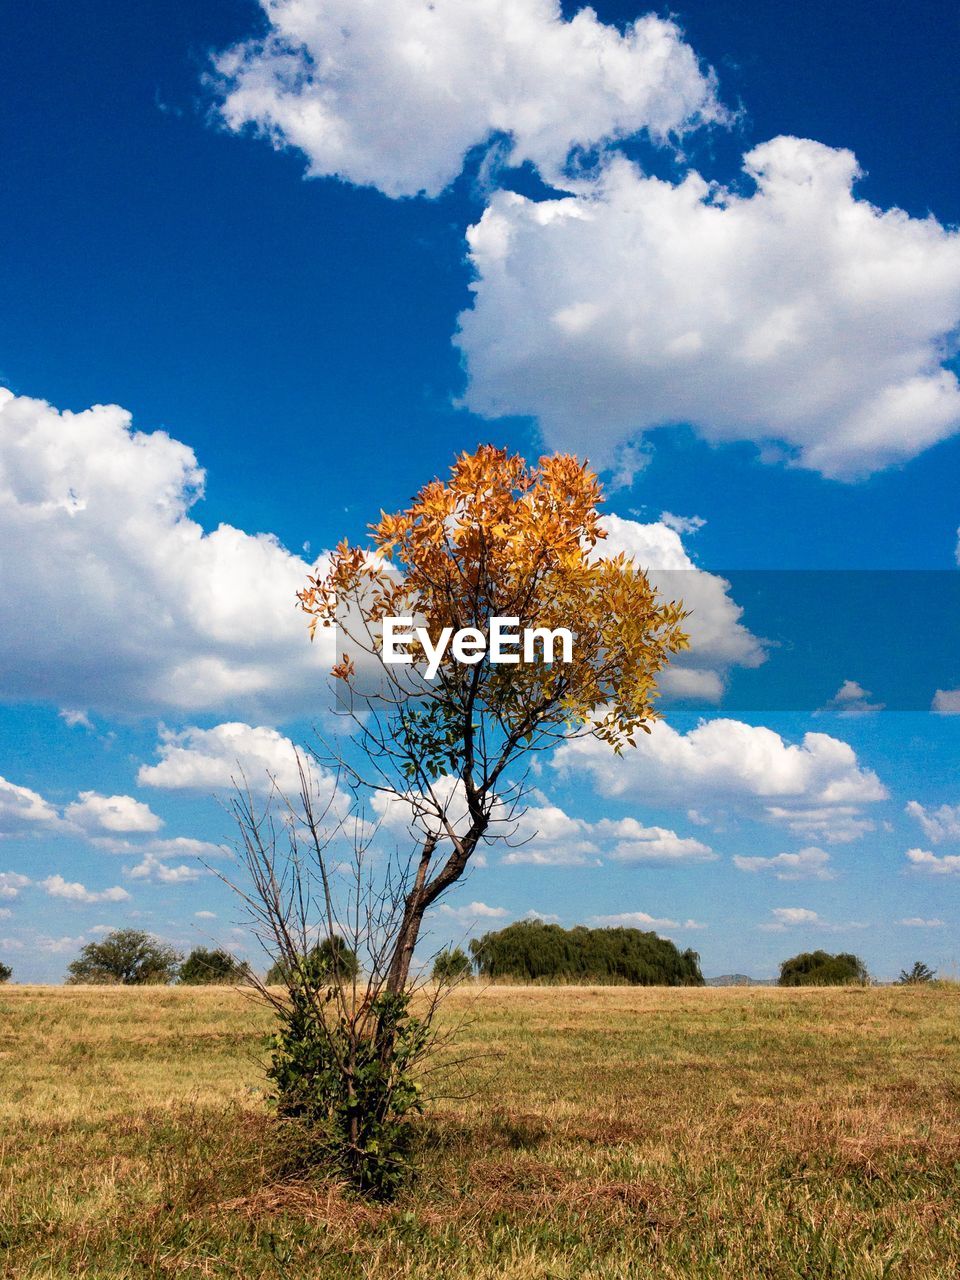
{"points": [[94, 812], [789, 917], [918, 922], [472, 913], [937, 824], [73, 891], [211, 759], [946, 702], [796, 315], [852, 700], [154, 869], [718, 638], [640, 920], [174, 847], [11, 882], [806, 864], [732, 762], [836, 824], [395, 93], [116, 599], [547, 836], [925, 861], [23, 811]]}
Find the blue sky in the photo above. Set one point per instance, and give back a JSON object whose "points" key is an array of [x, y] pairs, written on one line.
{"points": [[773, 355]]}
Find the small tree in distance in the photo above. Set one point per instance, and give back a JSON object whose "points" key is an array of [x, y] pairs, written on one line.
{"points": [[919, 973], [128, 957], [451, 966], [6, 973], [203, 967], [332, 959], [821, 969]]}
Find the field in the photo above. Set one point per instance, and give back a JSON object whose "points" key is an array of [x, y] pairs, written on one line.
{"points": [[733, 1134]]}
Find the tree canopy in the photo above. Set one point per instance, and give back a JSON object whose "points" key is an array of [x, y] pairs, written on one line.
{"points": [[125, 956], [451, 966], [210, 967], [6, 973], [530, 950], [821, 969], [331, 960]]}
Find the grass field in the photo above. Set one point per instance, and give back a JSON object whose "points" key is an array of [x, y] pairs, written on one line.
{"points": [[614, 1132]]}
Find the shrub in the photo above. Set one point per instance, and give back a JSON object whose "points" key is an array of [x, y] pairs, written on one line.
{"points": [[820, 969], [202, 966], [532, 951], [919, 973], [127, 957], [451, 966], [6, 973]]}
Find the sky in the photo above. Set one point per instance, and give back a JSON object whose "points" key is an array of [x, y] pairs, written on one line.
{"points": [[265, 270]]}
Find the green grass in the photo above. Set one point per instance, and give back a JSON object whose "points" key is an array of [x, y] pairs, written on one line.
{"points": [[607, 1132]]}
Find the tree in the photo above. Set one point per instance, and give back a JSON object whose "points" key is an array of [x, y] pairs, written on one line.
{"points": [[498, 540], [451, 966], [919, 973], [6, 973], [209, 967], [532, 951], [438, 746], [332, 958], [821, 969], [125, 956]]}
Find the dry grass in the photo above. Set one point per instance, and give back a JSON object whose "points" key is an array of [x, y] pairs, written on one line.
{"points": [[609, 1132]]}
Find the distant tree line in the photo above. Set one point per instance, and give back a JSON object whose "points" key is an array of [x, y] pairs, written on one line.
{"points": [[532, 951]]}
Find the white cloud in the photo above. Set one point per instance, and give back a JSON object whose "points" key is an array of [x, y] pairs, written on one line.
{"points": [[797, 314], [21, 810], [73, 719], [94, 812], [728, 760], [946, 702], [806, 864], [11, 882], [5, 913], [113, 598], [73, 891], [205, 915], [682, 524], [472, 913], [174, 847], [789, 917], [852, 700], [154, 869], [938, 824], [918, 922], [836, 824], [394, 93], [547, 836], [210, 759], [718, 638], [924, 860], [640, 920]]}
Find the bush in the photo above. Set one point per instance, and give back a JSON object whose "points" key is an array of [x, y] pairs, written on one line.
{"points": [[532, 951], [331, 958], [349, 1096], [451, 966], [919, 973], [127, 957], [820, 969], [202, 966], [6, 973]]}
